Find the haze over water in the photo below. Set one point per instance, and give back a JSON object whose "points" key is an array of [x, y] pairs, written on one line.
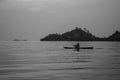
{"points": [[34, 19], [50, 61]]}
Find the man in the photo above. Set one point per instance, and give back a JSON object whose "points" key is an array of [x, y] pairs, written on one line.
{"points": [[77, 46]]}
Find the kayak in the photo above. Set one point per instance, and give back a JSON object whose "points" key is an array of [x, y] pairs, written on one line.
{"points": [[86, 47], [69, 47], [79, 48]]}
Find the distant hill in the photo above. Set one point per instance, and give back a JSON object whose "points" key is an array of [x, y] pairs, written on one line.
{"points": [[76, 34], [114, 37], [79, 34]]}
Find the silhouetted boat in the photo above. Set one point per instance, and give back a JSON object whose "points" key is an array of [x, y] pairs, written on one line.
{"points": [[20, 40], [79, 48], [16, 40]]}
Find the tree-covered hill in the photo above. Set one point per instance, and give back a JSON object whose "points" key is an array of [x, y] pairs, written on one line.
{"points": [[76, 34], [79, 34], [114, 37]]}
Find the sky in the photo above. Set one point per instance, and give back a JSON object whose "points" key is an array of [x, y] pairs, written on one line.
{"points": [[35, 19]]}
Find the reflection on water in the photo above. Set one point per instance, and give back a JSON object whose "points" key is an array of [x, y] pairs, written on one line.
{"points": [[49, 61]]}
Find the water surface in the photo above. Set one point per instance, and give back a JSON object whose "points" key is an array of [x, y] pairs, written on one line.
{"points": [[50, 61]]}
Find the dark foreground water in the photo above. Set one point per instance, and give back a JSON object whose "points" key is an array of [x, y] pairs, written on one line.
{"points": [[49, 61]]}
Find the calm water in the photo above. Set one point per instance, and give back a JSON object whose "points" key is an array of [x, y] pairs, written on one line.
{"points": [[49, 61]]}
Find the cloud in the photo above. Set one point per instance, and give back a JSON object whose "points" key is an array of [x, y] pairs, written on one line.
{"points": [[33, 5], [2, 1]]}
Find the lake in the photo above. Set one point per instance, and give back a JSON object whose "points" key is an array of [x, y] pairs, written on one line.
{"points": [[32, 60]]}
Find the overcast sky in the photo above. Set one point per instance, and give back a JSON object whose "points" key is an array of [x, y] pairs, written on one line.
{"points": [[34, 19]]}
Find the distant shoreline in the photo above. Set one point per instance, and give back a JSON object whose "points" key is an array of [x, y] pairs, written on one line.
{"points": [[19, 40]]}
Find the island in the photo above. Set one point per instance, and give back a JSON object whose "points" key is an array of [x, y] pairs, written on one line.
{"points": [[79, 34], [20, 40]]}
